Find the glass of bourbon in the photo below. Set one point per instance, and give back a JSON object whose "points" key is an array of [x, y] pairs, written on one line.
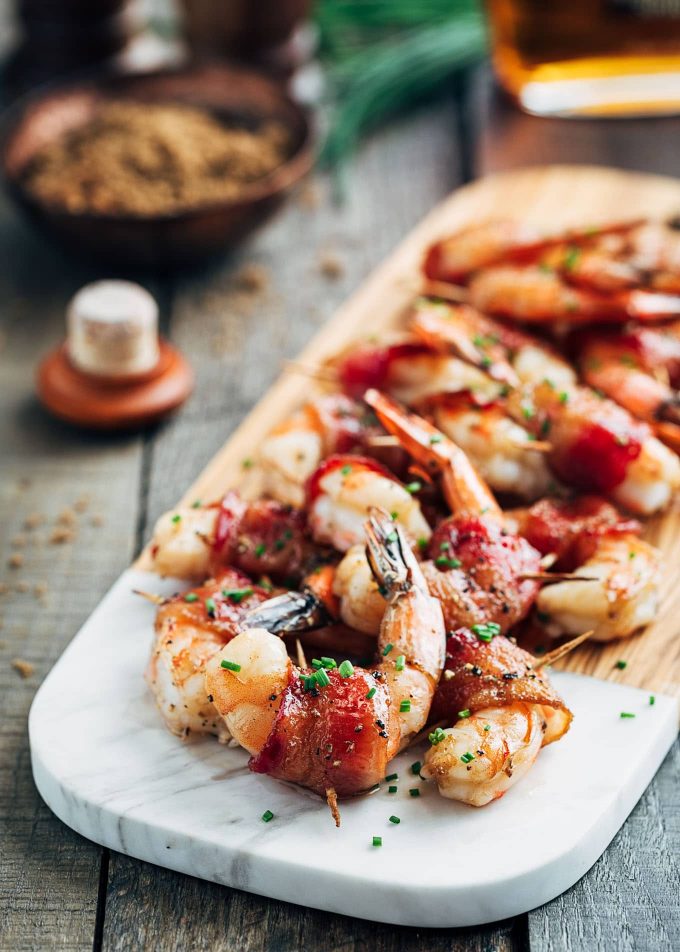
{"points": [[588, 57]]}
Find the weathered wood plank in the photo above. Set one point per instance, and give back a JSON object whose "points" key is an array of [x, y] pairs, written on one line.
{"points": [[49, 876], [237, 343], [630, 899]]}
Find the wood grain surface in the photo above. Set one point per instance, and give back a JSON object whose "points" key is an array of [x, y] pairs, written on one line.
{"points": [[553, 197]]}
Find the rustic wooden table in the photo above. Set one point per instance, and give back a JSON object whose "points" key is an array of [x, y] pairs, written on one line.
{"points": [[76, 508]]}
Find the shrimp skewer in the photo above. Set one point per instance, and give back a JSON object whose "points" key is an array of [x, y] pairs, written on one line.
{"points": [[259, 538], [335, 733], [478, 570], [504, 712]]}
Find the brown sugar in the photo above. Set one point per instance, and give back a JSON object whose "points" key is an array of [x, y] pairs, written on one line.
{"points": [[147, 159], [25, 668]]}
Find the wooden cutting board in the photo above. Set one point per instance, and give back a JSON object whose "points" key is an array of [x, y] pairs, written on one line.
{"points": [[553, 197]]}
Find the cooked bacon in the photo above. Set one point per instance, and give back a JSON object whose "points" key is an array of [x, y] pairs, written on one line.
{"points": [[334, 737], [480, 674], [219, 606], [570, 528], [487, 585], [371, 366], [261, 538]]}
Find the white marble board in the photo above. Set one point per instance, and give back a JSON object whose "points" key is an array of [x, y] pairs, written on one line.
{"points": [[106, 765]]}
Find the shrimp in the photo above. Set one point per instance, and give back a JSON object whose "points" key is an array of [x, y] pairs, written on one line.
{"points": [[597, 446], [589, 537], [506, 354], [538, 295], [621, 597], [326, 425], [190, 629], [260, 538], [502, 451], [623, 368], [335, 730], [341, 493], [476, 568], [504, 711]]}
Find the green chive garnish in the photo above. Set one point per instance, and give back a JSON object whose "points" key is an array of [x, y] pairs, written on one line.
{"points": [[436, 438], [413, 487], [400, 663], [346, 669], [191, 597], [176, 518], [260, 549], [371, 694], [237, 595], [247, 463], [377, 840], [444, 562], [267, 816], [487, 631], [621, 665], [652, 700], [563, 397], [393, 536], [346, 470], [392, 776], [387, 649], [422, 544], [395, 819], [230, 665], [321, 678], [328, 662], [625, 714], [196, 504], [467, 757], [464, 714], [391, 789], [404, 706], [437, 736], [414, 792], [415, 768], [487, 727], [210, 606]]}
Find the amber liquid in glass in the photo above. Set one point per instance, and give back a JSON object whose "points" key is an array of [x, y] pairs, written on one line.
{"points": [[589, 57]]}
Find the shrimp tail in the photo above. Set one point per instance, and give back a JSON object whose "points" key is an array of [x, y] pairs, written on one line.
{"points": [[669, 410], [388, 554], [292, 611]]}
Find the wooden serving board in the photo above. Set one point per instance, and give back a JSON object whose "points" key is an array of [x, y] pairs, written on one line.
{"points": [[553, 197]]}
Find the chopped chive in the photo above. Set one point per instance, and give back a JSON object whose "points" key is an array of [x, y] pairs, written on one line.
{"points": [[437, 736], [191, 597], [279, 545], [404, 706], [631, 555], [443, 561], [487, 631], [210, 606], [414, 792], [377, 841], [395, 819], [422, 544], [393, 516], [387, 649], [563, 397], [467, 757], [371, 694], [415, 768], [621, 665], [316, 664], [400, 663], [237, 595], [652, 700], [571, 257], [176, 518], [346, 669], [260, 549], [230, 665], [626, 714], [196, 504], [487, 727], [464, 714], [392, 789], [413, 487], [247, 463], [436, 438], [328, 662], [346, 470], [267, 816], [321, 678], [392, 776], [528, 412], [393, 536]]}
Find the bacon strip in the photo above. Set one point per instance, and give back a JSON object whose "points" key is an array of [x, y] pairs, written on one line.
{"points": [[480, 674], [335, 737]]}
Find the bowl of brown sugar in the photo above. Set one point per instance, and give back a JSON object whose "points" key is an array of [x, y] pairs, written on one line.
{"points": [[157, 169]]}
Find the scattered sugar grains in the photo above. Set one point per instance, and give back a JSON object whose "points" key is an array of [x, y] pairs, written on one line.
{"points": [[25, 668], [331, 266]]}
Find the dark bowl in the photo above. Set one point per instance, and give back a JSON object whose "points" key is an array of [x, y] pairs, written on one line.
{"points": [[230, 92]]}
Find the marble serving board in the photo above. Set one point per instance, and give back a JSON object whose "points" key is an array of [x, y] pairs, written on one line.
{"points": [[106, 765]]}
